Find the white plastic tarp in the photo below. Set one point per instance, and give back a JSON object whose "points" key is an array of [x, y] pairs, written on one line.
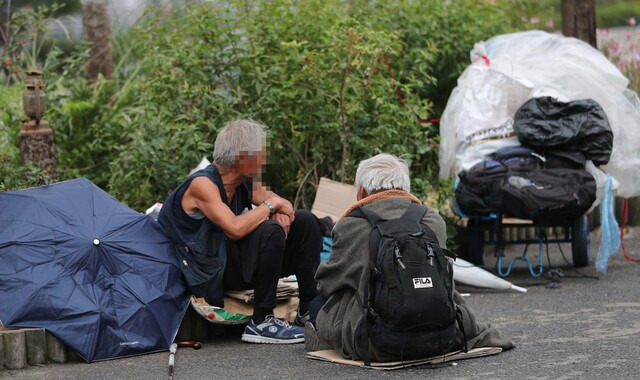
{"points": [[543, 64]]}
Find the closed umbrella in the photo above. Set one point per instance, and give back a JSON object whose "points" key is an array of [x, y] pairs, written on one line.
{"points": [[467, 273]]}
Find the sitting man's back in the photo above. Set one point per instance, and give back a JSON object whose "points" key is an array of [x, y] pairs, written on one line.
{"points": [[346, 284]]}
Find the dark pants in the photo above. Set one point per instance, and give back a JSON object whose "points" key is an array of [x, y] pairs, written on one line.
{"points": [[259, 259]]}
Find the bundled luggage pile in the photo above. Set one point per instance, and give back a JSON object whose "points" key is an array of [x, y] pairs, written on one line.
{"points": [[503, 100], [545, 179]]}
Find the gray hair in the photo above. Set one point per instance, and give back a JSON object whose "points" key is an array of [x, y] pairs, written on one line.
{"points": [[242, 135], [383, 172]]}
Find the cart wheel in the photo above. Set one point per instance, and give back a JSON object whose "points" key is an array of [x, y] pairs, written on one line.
{"points": [[475, 242], [580, 241]]}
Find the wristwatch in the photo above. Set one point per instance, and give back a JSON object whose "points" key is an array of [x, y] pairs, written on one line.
{"points": [[272, 210]]}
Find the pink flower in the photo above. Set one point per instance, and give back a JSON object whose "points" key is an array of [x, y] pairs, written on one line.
{"points": [[602, 32], [614, 47], [632, 21], [534, 20], [549, 24], [622, 64]]}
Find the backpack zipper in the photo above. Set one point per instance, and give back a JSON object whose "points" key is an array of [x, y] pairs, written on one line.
{"points": [[430, 254], [398, 257]]}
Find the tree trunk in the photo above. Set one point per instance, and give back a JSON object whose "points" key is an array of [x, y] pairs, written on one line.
{"points": [[95, 23], [579, 20]]}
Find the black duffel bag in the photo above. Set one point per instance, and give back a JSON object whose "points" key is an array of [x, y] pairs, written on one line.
{"points": [[543, 185], [547, 195]]}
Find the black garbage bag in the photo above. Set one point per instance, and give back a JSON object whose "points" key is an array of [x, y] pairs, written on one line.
{"points": [[580, 125]]}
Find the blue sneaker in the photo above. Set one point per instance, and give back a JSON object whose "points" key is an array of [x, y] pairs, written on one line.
{"points": [[273, 330]]}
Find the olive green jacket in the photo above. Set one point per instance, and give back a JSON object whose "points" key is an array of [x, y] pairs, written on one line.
{"points": [[346, 272]]}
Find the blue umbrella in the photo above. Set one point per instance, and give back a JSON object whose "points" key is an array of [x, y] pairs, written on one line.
{"points": [[99, 276]]}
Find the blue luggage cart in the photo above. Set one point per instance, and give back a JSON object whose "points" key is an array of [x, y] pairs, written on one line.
{"points": [[483, 230]]}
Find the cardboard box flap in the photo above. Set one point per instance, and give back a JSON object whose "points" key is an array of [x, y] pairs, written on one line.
{"points": [[333, 198]]}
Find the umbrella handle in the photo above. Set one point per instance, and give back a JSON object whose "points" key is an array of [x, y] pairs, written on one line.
{"points": [[189, 343], [172, 353]]}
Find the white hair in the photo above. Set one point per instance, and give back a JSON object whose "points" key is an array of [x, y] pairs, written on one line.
{"points": [[383, 172], [239, 136]]}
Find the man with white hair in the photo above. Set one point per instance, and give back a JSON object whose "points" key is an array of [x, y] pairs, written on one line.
{"points": [[383, 186], [231, 233]]}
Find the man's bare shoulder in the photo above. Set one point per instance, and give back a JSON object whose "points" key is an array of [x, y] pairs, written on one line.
{"points": [[203, 188]]}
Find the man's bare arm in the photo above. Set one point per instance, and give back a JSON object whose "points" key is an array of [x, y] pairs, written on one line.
{"points": [[204, 195]]}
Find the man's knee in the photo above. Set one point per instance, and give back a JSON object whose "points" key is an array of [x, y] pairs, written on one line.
{"points": [[306, 218], [272, 230]]}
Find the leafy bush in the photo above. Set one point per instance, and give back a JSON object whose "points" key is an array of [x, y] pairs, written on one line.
{"points": [[11, 116], [616, 13], [336, 82], [15, 176], [314, 71]]}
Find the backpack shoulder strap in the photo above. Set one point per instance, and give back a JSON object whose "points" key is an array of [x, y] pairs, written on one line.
{"points": [[417, 212], [414, 212]]}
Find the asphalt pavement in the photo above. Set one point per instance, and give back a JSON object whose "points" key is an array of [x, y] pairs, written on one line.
{"points": [[581, 326]]}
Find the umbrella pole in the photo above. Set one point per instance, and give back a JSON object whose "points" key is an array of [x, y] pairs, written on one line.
{"points": [[172, 354], [174, 348]]}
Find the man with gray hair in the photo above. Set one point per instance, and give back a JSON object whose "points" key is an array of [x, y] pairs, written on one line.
{"points": [[232, 233], [336, 321]]}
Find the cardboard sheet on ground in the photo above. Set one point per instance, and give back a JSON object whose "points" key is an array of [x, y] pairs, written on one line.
{"points": [[334, 357], [284, 291]]}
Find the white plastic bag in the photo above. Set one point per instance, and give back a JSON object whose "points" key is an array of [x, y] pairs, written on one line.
{"points": [[478, 119], [201, 165], [601, 181]]}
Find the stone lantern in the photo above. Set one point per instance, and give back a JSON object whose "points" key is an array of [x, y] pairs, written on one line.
{"points": [[36, 137], [34, 100]]}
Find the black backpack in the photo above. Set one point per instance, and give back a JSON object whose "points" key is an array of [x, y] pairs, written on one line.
{"points": [[408, 300]]}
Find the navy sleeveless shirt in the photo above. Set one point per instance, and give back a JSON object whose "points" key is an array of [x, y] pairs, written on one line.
{"points": [[200, 244]]}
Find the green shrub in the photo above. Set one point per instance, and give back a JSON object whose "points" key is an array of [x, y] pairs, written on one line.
{"points": [[11, 117], [15, 176], [616, 13], [314, 71]]}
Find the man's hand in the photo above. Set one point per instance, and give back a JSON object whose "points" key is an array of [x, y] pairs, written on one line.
{"points": [[286, 208], [282, 206], [284, 221]]}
